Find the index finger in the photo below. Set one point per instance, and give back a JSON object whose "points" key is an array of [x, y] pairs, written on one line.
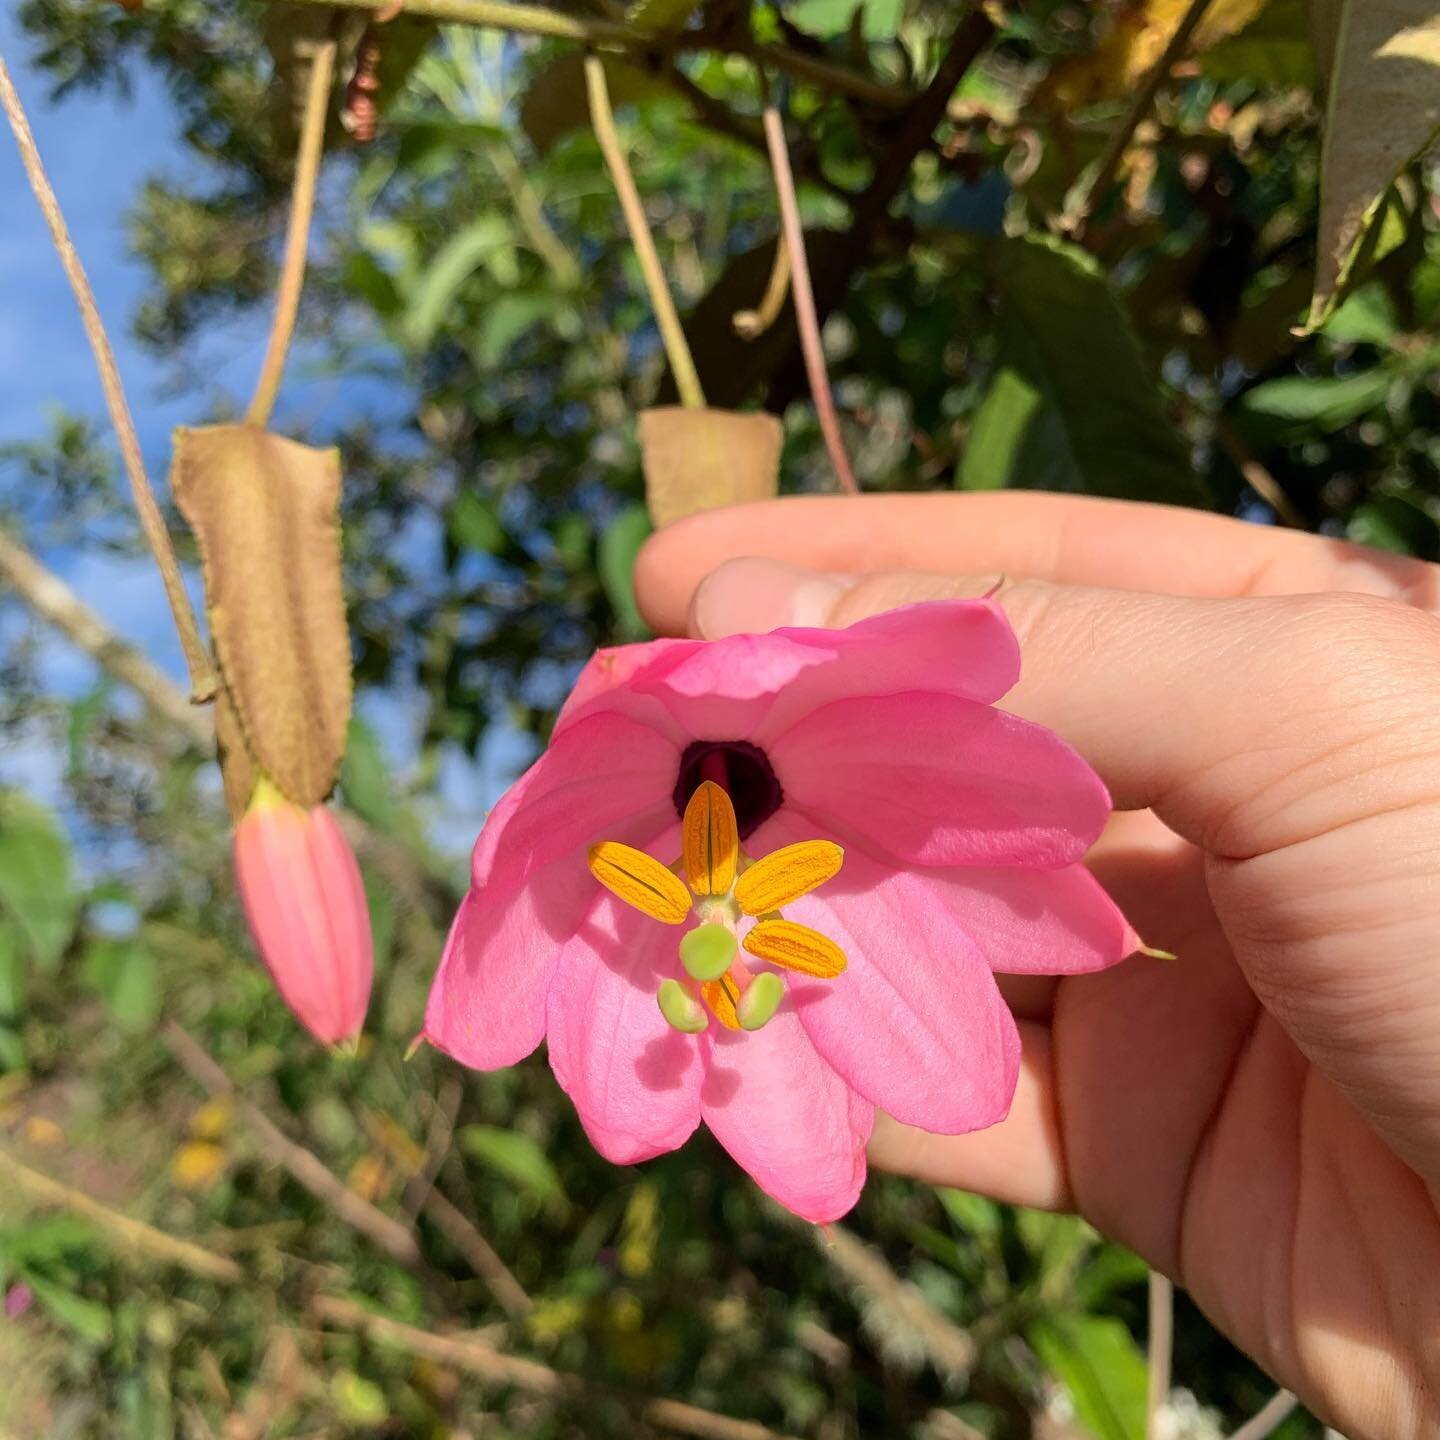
{"points": [[1070, 539]]}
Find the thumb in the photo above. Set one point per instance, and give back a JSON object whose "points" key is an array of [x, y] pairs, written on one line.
{"points": [[751, 595]]}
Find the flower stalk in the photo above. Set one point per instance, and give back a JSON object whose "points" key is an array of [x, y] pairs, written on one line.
{"points": [[297, 235], [203, 679]]}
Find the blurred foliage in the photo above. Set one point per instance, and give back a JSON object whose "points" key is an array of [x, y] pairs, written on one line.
{"points": [[475, 301]]}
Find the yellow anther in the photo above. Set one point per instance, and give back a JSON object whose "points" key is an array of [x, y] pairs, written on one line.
{"points": [[723, 997], [711, 840], [640, 880], [783, 876], [796, 947]]}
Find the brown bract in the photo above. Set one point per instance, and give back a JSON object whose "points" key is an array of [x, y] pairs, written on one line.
{"points": [[698, 459], [265, 511]]}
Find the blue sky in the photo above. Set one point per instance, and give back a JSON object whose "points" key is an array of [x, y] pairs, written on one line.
{"points": [[98, 150]]}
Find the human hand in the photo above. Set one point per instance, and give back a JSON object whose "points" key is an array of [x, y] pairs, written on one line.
{"points": [[1259, 1119]]}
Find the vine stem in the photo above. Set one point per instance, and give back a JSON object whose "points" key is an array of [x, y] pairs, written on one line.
{"points": [[805, 318], [1078, 214], [203, 679], [134, 1235], [1267, 1419], [672, 334], [541, 20], [297, 234], [1159, 1351]]}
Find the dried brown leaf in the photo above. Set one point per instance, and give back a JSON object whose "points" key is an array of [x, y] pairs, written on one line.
{"points": [[237, 769], [265, 511], [702, 459]]}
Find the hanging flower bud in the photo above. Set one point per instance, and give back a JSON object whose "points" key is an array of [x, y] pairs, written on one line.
{"points": [[306, 906]]}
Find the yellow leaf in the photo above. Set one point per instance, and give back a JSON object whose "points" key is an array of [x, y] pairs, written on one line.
{"points": [[1132, 47], [212, 1120], [197, 1165]]}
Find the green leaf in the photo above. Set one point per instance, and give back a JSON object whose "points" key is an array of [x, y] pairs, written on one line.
{"points": [[1074, 405], [973, 1214], [1366, 318], [84, 712], [507, 320], [516, 1157], [1296, 405], [125, 976], [1274, 49], [1004, 421], [1391, 523], [1101, 1366], [36, 885], [431, 299], [12, 1049], [359, 1401], [1382, 113], [556, 104], [87, 1318], [1111, 1268], [365, 776], [619, 544], [826, 19], [12, 972], [47, 1239], [474, 524]]}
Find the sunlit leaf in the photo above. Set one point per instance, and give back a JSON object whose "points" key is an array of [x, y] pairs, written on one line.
{"points": [[516, 1157], [125, 976], [87, 1318], [1383, 110], [826, 19], [431, 299], [36, 883]]}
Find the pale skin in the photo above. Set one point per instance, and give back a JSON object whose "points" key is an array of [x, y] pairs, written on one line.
{"points": [[1260, 1117]]}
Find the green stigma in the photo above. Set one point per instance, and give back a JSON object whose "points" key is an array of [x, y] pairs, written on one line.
{"points": [[707, 951]]}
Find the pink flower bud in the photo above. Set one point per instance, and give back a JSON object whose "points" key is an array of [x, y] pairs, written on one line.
{"points": [[306, 907]]}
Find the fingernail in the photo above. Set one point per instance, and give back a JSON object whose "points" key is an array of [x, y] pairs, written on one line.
{"points": [[750, 596]]}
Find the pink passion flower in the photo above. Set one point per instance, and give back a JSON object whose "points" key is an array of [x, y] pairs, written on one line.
{"points": [[860, 839]]}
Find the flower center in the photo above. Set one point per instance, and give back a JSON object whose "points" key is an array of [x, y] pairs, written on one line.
{"points": [[717, 882], [741, 769]]}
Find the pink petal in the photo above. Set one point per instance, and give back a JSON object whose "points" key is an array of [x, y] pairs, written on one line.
{"points": [[597, 781], [787, 1117], [1037, 922], [487, 1002], [916, 1023], [609, 674], [635, 1082], [930, 779], [752, 687]]}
